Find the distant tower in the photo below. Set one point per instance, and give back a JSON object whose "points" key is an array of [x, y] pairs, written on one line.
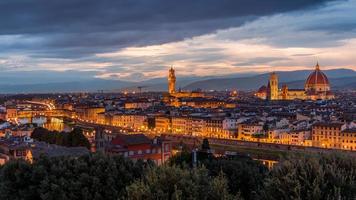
{"points": [[171, 81], [273, 87]]}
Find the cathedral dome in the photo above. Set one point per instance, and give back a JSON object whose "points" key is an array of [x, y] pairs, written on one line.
{"points": [[262, 89], [317, 81]]}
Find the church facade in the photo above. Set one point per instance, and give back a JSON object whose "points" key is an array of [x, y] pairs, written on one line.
{"points": [[316, 87]]}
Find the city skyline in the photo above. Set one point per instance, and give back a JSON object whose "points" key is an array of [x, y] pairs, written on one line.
{"points": [[177, 99], [139, 41]]}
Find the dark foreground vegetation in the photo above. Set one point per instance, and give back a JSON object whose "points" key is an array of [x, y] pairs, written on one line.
{"points": [[103, 177], [74, 138]]}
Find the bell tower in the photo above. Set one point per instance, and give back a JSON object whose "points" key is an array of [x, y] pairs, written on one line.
{"points": [[171, 81], [273, 87]]}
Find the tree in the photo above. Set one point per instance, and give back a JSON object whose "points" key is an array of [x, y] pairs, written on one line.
{"points": [[220, 189], [93, 176], [171, 182], [17, 181], [75, 138], [99, 177], [245, 176], [312, 177], [205, 145], [265, 127], [38, 133]]}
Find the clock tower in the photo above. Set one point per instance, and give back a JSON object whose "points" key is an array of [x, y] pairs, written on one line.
{"points": [[171, 81]]}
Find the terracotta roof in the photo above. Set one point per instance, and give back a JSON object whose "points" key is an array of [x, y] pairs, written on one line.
{"points": [[325, 124], [262, 89], [350, 130], [317, 77], [133, 139]]}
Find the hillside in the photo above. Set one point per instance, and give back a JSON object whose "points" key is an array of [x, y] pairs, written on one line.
{"points": [[296, 78], [339, 78]]}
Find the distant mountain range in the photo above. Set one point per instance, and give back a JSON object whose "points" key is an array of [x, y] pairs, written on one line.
{"points": [[339, 79], [294, 79]]}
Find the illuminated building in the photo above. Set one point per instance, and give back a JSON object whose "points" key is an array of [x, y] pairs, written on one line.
{"points": [[300, 137], [140, 147], [162, 124], [11, 113], [247, 131], [261, 92], [200, 126], [195, 99], [349, 139], [272, 87], [171, 81], [316, 87], [199, 102], [139, 104], [89, 113], [215, 128], [180, 94], [334, 136], [180, 125], [130, 121]]}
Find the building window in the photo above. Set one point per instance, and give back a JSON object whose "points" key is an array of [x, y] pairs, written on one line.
{"points": [[139, 152], [131, 153], [148, 150]]}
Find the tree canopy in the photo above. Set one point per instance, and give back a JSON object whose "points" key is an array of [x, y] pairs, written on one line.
{"points": [[171, 182], [75, 138], [95, 176], [312, 178], [99, 177]]}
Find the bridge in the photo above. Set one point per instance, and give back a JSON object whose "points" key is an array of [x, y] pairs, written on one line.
{"points": [[50, 106], [45, 113]]}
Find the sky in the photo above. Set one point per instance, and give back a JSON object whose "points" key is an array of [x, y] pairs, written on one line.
{"points": [[135, 40]]}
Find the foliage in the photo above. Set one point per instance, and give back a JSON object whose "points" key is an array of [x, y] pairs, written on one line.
{"points": [[245, 176], [312, 177], [171, 182], [88, 177], [265, 127], [182, 159], [99, 177], [74, 138], [205, 145]]}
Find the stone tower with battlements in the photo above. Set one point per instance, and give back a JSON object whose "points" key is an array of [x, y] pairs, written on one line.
{"points": [[171, 81]]}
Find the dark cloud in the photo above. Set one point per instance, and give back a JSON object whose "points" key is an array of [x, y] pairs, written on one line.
{"points": [[77, 28]]}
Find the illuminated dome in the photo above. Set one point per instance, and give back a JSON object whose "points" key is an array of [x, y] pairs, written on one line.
{"points": [[262, 89], [317, 81]]}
